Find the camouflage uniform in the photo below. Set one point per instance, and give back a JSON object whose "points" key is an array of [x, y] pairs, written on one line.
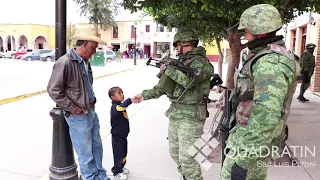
{"points": [[186, 115], [269, 75], [118, 54], [307, 65]]}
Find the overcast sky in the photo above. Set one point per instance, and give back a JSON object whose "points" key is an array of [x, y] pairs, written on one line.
{"points": [[43, 12]]}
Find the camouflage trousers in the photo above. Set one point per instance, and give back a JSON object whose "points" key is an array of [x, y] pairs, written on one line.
{"points": [[306, 79], [256, 172], [184, 130]]}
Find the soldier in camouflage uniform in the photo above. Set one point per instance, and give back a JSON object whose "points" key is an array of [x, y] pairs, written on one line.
{"points": [[186, 115], [307, 65], [263, 94], [118, 54]]}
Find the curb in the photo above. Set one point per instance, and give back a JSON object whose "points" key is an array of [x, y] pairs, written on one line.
{"points": [[33, 94], [314, 93]]}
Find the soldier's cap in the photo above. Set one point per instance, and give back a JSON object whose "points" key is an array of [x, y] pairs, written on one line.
{"points": [[310, 46], [87, 37]]}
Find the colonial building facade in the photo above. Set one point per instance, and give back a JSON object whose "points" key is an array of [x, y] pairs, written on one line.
{"points": [[28, 36], [152, 38], [301, 31]]}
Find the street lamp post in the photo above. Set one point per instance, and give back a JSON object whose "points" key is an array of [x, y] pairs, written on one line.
{"points": [[135, 47], [63, 166]]}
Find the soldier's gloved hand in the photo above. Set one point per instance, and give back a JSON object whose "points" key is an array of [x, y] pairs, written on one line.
{"points": [[163, 67], [238, 173]]}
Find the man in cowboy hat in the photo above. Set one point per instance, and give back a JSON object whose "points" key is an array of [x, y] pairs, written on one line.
{"points": [[70, 87]]}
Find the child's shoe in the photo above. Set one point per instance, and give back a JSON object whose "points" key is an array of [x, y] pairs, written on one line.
{"points": [[125, 170], [121, 176]]}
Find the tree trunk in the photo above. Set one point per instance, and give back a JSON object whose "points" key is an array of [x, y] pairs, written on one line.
{"points": [[236, 47], [220, 61], [96, 29]]}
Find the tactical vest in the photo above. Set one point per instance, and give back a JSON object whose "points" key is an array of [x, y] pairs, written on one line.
{"points": [[172, 89], [244, 87]]}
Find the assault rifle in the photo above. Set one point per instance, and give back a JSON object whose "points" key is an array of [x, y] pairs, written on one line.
{"points": [[215, 78], [226, 122]]}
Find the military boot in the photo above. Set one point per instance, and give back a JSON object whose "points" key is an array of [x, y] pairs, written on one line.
{"points": [[305, 98], [301, 98]]}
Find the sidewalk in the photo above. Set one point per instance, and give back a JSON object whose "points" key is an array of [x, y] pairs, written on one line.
{"points": [[149, 158], [148, 151], [304, 132], [284, 172]]}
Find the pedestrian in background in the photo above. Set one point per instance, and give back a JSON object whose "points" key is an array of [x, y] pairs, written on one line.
{"points": [[307, 64]]}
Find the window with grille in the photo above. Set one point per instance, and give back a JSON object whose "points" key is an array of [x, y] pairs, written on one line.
{"points": [[115, 32], [147, 28]]}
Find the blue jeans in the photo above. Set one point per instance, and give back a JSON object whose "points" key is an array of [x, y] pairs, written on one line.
{"points": [[85, 137]]}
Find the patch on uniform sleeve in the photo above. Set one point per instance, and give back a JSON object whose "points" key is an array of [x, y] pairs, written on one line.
{"points": [[264, 96], [262, 86], [266, 80]]}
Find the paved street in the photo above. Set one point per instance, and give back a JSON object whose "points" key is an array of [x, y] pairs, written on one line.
{"points": [[26, 130]]}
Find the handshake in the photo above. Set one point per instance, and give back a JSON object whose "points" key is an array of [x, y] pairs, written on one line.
{"points": [[137, 98]]}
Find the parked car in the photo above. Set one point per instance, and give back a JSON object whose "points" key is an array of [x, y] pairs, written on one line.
{"points": [[51, 56], [48, 56], [8, 54], [18, 54], [35, 55], [109, 55]]}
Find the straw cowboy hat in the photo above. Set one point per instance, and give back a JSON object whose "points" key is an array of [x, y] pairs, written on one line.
{"points": [[86, 37]]}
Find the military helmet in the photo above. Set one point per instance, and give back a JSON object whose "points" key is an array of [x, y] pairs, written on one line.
{"points": [[184, 35], [260, 19], [310, 46]]}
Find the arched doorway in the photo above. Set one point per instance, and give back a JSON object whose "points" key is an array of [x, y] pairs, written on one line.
{"points": [[1, 45], [41, 42], [23, 42], [10, 47]]}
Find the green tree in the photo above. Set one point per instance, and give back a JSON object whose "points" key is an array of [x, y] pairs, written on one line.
{"points": [[71, 30], [215, 18], [99, 12]]}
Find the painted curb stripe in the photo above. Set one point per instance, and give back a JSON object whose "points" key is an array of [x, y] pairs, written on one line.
{"points": [[24, 96]]}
